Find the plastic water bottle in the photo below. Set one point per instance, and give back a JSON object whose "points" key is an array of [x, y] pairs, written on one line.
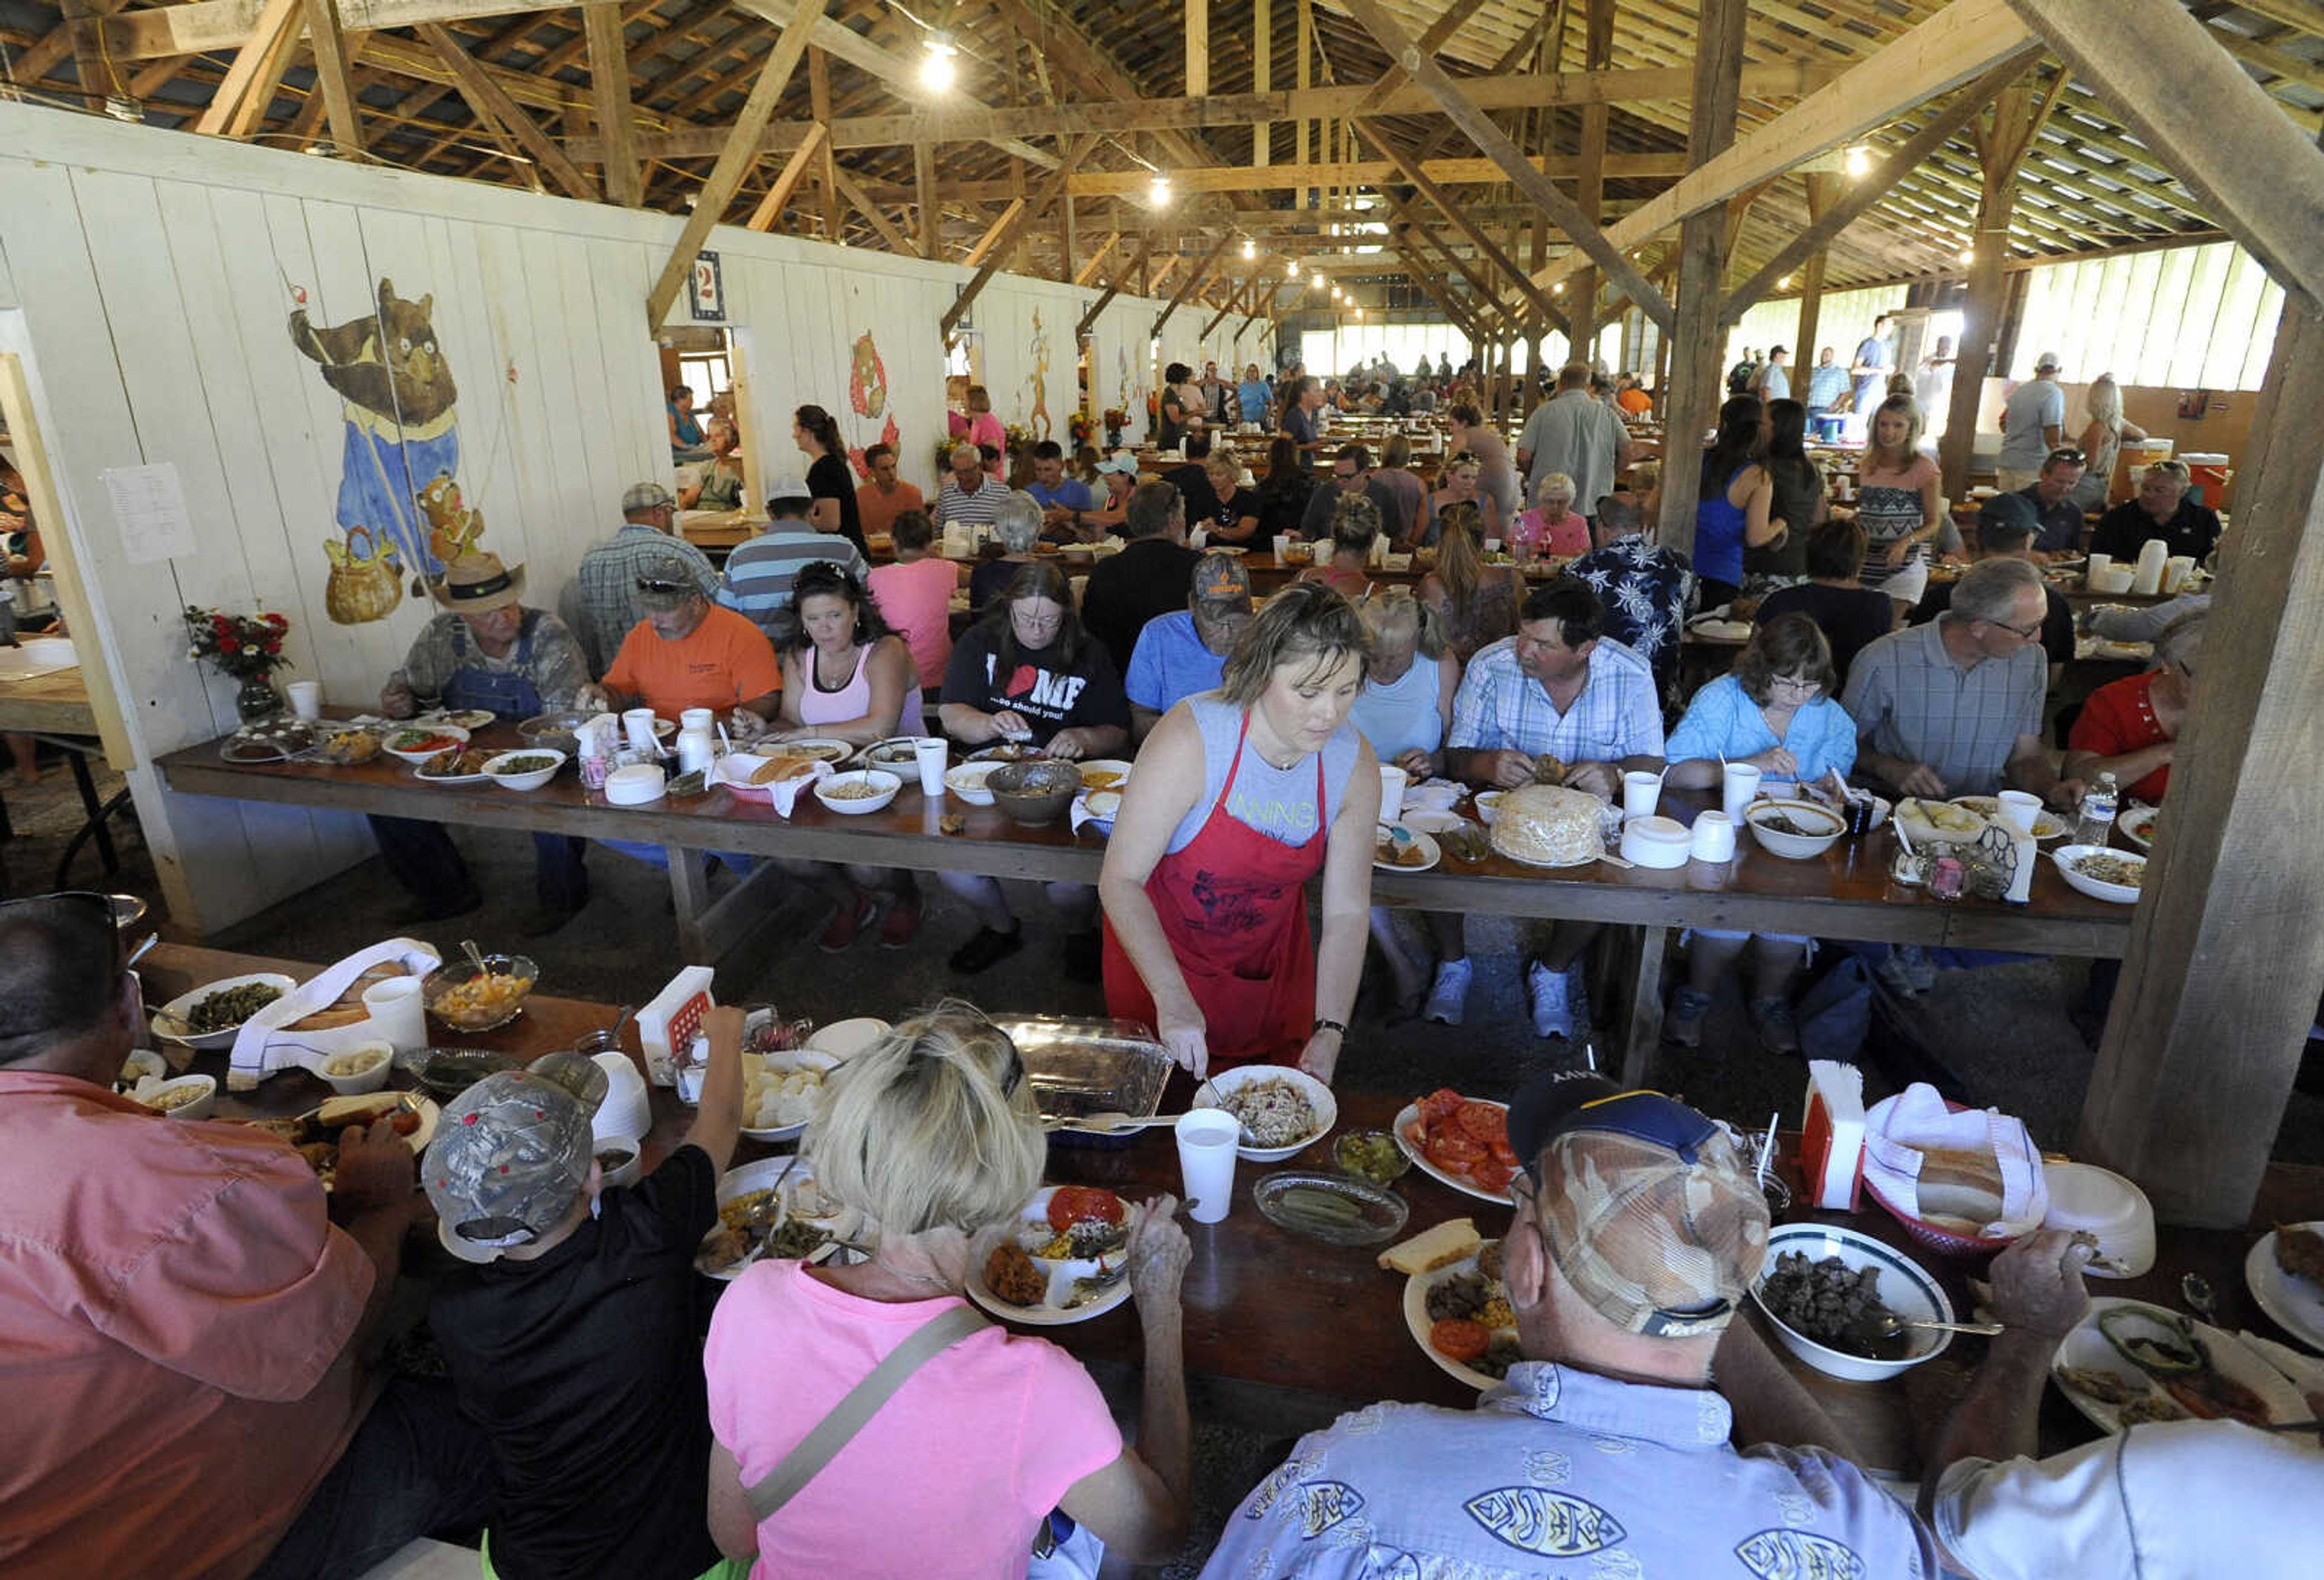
{"points": [[2099, 803]]}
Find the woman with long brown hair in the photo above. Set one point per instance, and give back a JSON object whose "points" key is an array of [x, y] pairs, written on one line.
{"points": [[829, 484], [1477, 603], [1897, 502]]}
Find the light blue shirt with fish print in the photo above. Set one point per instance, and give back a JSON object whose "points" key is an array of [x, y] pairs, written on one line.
{"points": [[1559, 1472]]}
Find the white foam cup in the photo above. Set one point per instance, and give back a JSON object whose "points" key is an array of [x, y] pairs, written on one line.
{"points": [[1742, 783], [933, 753], [397, 1014], [1207, 1138], [1641, 793], [306, 699]]}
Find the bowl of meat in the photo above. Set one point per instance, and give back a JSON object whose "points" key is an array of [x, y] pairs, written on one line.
{"points": [[1832, 1292], [1797, 830]]}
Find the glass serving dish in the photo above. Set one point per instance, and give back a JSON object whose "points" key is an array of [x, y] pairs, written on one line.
{"points": [[1082, 1067], [1338, 1209]]}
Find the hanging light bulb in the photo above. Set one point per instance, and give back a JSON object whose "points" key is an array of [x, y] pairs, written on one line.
{"points": [[1968, 255], [1857, 162], [1157, 190], [1291, 269], [1316, 280], [1250, 249], [937, 70], [1784, 283], [1558, 289]]}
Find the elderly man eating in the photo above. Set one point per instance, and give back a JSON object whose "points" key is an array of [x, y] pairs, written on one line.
{"points": [[1637, 1231], [1954, 707], [1185, 652], [486, 651], [181, 1317], [2163, 511]]}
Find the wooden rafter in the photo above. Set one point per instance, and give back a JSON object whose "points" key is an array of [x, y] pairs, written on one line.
{"points": [[609, 86], [794, 169], [250, 71], [486, 97]]}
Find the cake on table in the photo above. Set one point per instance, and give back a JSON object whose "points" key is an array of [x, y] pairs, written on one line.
{"points": [[1545, 825]]}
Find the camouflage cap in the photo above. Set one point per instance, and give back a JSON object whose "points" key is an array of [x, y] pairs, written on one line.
{"points": [[510, 1155], [1645, 1205], [1220, 579]]}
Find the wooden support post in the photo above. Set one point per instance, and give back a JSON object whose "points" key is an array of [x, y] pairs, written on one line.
{"points": [[818, 89], [250, 64], [491, 101], [1589, 191], [609, 90], [1307, 37], [1822, 186], [2227, 949], [1195, 276], [794, 168], [1262, 75], [331, 73], [923, 187], [1068, 235], [1981, 312], [1490, 140], [742, 151], [1198, 48], [1698, 336]]}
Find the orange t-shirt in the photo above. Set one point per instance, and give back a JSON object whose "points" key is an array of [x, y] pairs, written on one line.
{"points": [[726, 661], [1636, 402], [877, 512]]}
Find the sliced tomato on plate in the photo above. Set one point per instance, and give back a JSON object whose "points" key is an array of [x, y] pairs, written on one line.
{"points": [[1460, 1338], [1483, 1121], [1440, 1104], [1451, 1150], [1074, 1204], [1491, 1175]]}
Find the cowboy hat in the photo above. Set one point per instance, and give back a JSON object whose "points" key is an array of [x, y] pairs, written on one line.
{"points": [[476, 583]]}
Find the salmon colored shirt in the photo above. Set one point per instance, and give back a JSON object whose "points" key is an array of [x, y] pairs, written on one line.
{"points": [[914, 597], [877, 512], [724, 661], [174, 1307]]}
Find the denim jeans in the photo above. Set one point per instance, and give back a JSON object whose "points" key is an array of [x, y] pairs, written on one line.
{"points": [[416, 1466], [423, 858]]}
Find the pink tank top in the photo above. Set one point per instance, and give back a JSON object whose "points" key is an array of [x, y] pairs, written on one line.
{"points": [[853, 700]]}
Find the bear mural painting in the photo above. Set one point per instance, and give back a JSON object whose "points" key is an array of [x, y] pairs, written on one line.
{"points": [[397, 494]]}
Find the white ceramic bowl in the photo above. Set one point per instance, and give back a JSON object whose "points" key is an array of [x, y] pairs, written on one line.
{"points": [[845, 1039], [416, 757], [1805, 814], [2098, 888], [966, 780], [374, 1060], [496, 769], [1319, 1096], [1489, 806], [882, 785], [1101, 766], [1906, 1288], [197, 1107], [174, 1012]]}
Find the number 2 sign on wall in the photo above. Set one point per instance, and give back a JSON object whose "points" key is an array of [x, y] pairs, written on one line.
{"points": [[706, 289]]}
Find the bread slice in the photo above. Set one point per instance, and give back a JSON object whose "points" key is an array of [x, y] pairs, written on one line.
{"points": [[1440, 1247]]}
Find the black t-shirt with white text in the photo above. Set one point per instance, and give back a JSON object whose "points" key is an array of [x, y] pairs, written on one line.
{"points": [[1048, 692]]}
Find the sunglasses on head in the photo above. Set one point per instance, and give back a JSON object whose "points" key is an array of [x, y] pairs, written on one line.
{"points": [[656, 585], [2067, 456]]}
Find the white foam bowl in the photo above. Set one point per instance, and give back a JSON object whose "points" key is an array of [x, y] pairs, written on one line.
{"points": [[2098, 888], [1489, 806], [638, 785], [1657, 841], [1906, 1288], [845, 1039], [882, 785], [416, 757], [967, 781], [496, 769], [2109, 1209], [197, 1108], [1319, 1096], [1806, 814], [378, 1059]]}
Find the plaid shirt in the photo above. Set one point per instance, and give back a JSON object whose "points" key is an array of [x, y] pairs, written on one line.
{"points": [[1911, 700], [1501, 708], [605, 584]]}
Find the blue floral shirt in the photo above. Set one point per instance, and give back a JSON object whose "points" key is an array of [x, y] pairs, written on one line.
{"points": [[1560, 1471], [1647, 591]]}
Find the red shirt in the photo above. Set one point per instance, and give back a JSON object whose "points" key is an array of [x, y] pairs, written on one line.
{"points": [[174, 1307], [2119, 718]]}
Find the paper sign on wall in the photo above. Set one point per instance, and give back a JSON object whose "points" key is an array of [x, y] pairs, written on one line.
{"points": [[150, 508]]}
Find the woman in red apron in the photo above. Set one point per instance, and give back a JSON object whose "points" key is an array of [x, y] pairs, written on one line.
{"points": [[1240, 796]]}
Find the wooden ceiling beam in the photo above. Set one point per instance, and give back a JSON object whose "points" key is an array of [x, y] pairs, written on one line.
{"points": [[1416, 177], [992, 249], [735, 162], [863, 204], [1448, 172], [609, 86], [250, 66], [1113, 287], [333, 66], [1563, 211], [486, 97], [771, 203]]}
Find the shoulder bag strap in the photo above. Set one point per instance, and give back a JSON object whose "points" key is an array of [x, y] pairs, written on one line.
{"points": [[780, 1485]]}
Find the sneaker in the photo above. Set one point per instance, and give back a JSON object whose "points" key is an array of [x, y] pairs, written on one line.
{"points": [[1683, 1024], [1919, 969], [1779, 1028], [1449, 995], [1551, 997], [847, 923], [903, 922], [986, 950], [1084, 957]]}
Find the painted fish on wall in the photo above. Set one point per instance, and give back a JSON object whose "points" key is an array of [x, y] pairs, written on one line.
{"points": [[401, 450], [867, 398]]}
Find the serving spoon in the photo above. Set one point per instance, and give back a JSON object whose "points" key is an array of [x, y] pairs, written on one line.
{"points": [[1111, 1122], [1882, 1324]]}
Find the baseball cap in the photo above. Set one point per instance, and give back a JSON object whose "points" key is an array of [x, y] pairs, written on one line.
{"points": [[647, 496], [1645, 1204], [1123, 463], [2048, 360], [511, 1154], [665, 581], [1220, 578], [2009, 510], [788, 485]]}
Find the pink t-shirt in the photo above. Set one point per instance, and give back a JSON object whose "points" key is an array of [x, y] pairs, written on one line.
{"points": [[953, 1475], [1569, 537], [916, 598]]}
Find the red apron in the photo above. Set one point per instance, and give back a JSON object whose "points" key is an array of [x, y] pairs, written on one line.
{"points": [[1233, 905]]}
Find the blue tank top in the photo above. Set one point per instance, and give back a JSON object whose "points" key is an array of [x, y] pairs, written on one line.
{"points": [[1279, 802], [1719, 535], [1402, 717]]}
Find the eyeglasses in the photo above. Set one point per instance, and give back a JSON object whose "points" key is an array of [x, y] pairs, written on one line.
{"points": [[2022, 633], [1796, 683]]}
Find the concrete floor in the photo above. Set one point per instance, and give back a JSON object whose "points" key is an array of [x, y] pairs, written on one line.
{"points": [[2006, 1032]]}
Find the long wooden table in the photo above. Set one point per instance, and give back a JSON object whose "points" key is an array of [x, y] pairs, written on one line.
{"points": [[1282, 1332], [1845, 892], [54, 708]]}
